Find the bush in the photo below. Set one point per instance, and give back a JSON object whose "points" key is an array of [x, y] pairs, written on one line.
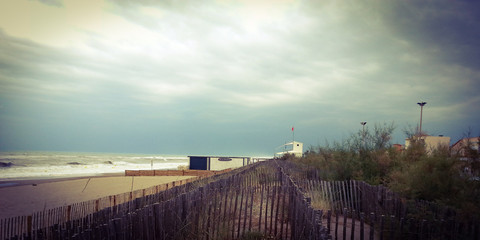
{"points": [[363, 156], [436, 177]]}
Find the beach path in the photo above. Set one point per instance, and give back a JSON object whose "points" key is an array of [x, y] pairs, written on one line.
{"points": [[26, 199]]}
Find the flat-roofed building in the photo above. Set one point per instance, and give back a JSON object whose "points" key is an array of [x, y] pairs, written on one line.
{"points": [[431, 142], [295, 148], [217, 162]]}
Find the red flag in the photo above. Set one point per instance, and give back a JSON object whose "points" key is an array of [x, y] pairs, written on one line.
{"points": [[292, 129]]}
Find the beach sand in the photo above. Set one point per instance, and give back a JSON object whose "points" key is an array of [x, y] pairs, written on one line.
{"points": [[28, 196]]}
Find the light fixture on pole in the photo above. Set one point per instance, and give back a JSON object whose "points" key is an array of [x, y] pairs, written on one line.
{"points": [[363, 123], [421, 116], [363, 132]]}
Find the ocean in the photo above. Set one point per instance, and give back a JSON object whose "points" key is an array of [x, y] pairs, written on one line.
{"points": [[45, 165]]}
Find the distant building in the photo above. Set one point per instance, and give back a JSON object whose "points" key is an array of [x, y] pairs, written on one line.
{"points": [[431, 142], [462, 146], [295, 148], [398, 147], [468, 150], [217, 163]]}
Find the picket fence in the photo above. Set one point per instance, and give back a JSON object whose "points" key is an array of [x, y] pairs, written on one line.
{"points": [[254, 200], [357, 210], [17, 226], [266, 200]]}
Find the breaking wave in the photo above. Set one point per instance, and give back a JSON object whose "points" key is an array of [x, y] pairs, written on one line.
{"points": [[16, 165]]}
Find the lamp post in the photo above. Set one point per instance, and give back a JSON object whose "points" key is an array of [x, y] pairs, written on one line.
{"points": [[363, 123], [421, 115], [363, 133]]}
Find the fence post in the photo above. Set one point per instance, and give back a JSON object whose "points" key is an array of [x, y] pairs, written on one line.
{"points": [[382, 226], [372, 226], [284, 191], [362, 226], [329, 220], [271, 208], [266, 207], [252, 191], [240, 213], [235, 211], [29, 224], [352, 235], [345, 214], [336, 224], [247, 191]]}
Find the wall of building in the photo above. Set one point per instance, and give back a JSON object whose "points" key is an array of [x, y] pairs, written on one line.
{"points": [[431, 142], [236, 162], [295, 148], [215, 164]]}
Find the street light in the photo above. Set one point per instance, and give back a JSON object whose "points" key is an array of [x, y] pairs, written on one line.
{"points": [[421, 115], [363, 123], [363, 132]]}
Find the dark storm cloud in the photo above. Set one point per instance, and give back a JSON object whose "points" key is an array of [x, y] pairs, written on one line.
{"points": [[448, 29], [180, 77]]}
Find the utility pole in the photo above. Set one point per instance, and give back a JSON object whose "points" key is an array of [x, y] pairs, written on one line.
{"points": [[421, 115]]}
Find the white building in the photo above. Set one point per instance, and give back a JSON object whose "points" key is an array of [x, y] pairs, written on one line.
{"points": [[431, 142], [295, 148], [217, 163]]}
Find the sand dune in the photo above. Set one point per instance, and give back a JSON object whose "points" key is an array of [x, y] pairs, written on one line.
{"points": [[35, 196]]}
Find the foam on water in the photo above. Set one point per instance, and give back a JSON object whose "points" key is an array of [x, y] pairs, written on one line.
{"points": [[38, 165]]}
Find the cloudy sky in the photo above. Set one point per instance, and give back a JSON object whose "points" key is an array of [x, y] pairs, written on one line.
{"points": [[232, 77]]}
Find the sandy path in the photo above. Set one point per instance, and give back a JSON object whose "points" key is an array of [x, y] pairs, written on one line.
{"points": [[26, 199]]}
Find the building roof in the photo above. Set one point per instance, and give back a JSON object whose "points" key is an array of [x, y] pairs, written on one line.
{"points": [[460, 142]]}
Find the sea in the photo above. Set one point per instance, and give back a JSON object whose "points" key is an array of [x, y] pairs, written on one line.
{"points": [[47, 165]]}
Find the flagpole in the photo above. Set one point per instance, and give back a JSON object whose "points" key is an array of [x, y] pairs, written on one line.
{"points": [[293, 133]]}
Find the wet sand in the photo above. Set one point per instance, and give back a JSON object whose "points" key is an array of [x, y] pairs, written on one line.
{"points": [[23, 197]]}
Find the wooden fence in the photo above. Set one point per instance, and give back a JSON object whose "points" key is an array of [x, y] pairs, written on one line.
{"points": [[267, 200], [357, 210], [199, 173], [20, 225], [257, 200]]}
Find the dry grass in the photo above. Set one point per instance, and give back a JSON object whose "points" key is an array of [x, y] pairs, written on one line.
{"points": [[319, 201]]}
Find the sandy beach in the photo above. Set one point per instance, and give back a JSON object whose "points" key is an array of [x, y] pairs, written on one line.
{"points": [[24, 197]]}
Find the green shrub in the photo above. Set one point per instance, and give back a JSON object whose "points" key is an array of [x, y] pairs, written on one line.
{"points": [[368, 156]]}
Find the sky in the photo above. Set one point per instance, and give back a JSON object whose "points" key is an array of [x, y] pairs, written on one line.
{"points": [[225, 77]]}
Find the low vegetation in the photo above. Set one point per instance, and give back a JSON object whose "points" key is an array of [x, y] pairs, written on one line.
{"points": [[438, 176]]}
